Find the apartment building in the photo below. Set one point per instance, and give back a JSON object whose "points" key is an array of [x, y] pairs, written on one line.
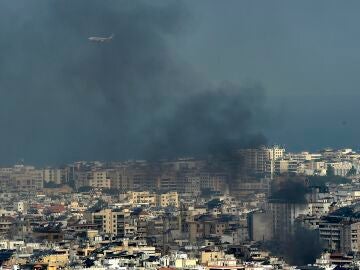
{"points": [[26, 178], [99, 179], [214, 181], [52, 175], [5, 179], [167, 181], [120, 178], [341, 168], [261, 160], [142, 198], [303, 156], [168, 199], [82, 178], [109, 221], [286, 166], [284, 216], [341, 235]]}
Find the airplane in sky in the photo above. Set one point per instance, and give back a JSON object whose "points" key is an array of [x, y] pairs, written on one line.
{"points": [[101, 39]]}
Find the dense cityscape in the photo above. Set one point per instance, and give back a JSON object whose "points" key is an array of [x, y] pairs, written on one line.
{"points": [[179, 135], [263, 208]]}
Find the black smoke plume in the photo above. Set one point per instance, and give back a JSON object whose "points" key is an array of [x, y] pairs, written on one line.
{"points": [[300, 248], [63, 97], [289, 190]]}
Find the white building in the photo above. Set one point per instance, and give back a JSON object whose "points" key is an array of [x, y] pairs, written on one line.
{"points": [[261, 160], [52, 175], [286, 166], [341, 168]]}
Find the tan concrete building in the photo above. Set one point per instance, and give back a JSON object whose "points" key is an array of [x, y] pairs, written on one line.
{"points": [[152, 199], [340, 235], [99, 179], [110, 221], [56, 261], [168, 199], [82, 178], [26, 178], [167, 181], [214, 181], [120, 178], [208, 256], [52, 175], [142, 198]]}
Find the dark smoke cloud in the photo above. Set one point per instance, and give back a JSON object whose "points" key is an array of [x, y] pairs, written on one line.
{"points": [[64, 98], [216, 122], [301, 248], [289, 190]]}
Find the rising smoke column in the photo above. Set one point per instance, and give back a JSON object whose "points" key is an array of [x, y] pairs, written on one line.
{"points": [[299, 246], [64, 98], [290, 190], [216, 121]]}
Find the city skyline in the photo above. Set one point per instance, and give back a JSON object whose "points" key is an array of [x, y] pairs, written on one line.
{"points": [[179, 135]]}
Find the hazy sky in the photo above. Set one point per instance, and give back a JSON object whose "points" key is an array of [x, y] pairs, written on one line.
{"points": [[305, 53], [157, 87]]}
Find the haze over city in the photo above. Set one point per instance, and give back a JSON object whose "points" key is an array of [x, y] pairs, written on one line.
{"points": [[64, 98], [179, 135]]}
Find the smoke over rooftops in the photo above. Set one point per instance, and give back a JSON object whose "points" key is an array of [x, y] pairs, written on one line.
{"points": [[300, 248], [290, 190], [64, 98]]}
